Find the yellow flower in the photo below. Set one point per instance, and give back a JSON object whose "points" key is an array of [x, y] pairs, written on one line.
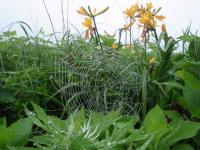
{"points": [[136, 7], [87, 22], [114, 46], [83, 11], [130, 12], [147, 19], [152, 60], [164, 29], [149, 6]]}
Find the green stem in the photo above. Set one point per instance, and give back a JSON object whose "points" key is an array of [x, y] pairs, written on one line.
{"points": [[144, 80], [144, 92], [158, 44], [51, 22], [145, 48], [130, 33], [96, 30], [95, 26], [96, 38], [156, 35], [120, 36]]}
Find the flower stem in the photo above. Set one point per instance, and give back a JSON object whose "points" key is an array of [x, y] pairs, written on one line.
{"points": [[145, 48], [96, 30], [157, 41], [130, 33], [120, 36]]}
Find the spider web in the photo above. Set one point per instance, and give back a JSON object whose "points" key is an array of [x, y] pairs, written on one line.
{"points": [[99, 80]]}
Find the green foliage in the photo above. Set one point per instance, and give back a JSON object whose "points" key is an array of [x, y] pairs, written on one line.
{"points": [[167, 133], [16, 134], [182, 147], [97, 131], [159, 71], [194, 46], [111, 131], [74, 74], [108, 40], [108, 84], [191, 96], [165, 58]]}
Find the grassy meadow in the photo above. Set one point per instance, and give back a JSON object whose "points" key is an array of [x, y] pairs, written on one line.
{"points": [[97, 91]]}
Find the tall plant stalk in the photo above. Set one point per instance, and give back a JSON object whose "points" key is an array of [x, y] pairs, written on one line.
{"points": [[51, 22], [96, 29], [62, 14], [144, 81], [120, 36], [158, 44], [130, 33]]}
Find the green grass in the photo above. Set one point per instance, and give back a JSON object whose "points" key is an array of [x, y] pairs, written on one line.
{"points": [[146, 106]]}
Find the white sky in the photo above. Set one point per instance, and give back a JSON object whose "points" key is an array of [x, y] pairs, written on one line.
{"points": [[179, 13]]}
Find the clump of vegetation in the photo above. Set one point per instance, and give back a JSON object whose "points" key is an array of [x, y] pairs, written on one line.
{"points": [[101, 91]]}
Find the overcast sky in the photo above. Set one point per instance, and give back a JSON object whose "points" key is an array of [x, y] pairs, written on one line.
{"points": [[179, 13]]}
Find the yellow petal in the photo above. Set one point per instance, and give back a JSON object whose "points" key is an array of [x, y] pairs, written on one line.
{"points": [[87, 22], [83, 11], [114, 46], [161, 18], [129, 12], [152, 60], [147, 19], [136, 7], [164, 29], [149, 6]]}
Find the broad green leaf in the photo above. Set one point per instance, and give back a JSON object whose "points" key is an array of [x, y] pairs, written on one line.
{"points": [[179, 131], [155, 120], [21, 131], [173, 116], [5, 137], [190, 80], [17, 134], [191, 101]]}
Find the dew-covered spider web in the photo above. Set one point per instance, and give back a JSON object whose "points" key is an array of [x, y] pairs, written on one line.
{"points": [[99, 80]]}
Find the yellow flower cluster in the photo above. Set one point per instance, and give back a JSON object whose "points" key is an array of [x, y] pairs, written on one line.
{"points": [[88, 22], [146, 15], [130, 12]]}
